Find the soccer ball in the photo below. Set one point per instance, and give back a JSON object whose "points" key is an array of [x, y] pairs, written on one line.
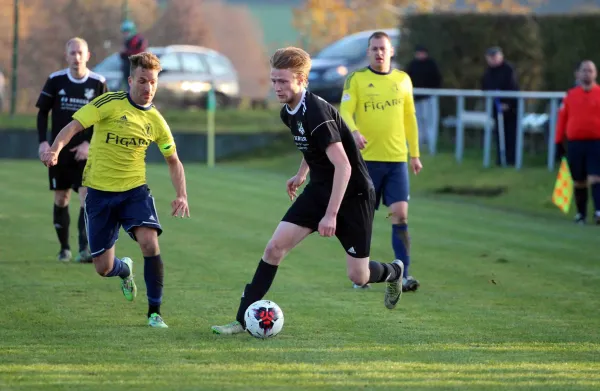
{"points": [[264, 319]]}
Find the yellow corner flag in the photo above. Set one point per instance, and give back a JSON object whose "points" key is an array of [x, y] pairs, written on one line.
{"points": [[563, 188]]}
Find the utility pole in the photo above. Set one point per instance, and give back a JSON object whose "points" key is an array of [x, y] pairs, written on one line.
{"points": [[125, 9], [15, 62]]}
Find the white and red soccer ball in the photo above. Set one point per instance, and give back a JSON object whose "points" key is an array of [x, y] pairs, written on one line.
{"points": [[264, 319]]}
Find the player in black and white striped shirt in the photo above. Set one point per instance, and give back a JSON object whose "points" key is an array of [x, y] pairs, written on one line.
{"points": [[65, 92]]}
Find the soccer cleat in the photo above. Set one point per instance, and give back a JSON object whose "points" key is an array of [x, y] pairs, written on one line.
{"points": [[127, 284], [64, 255], [579, 219], [155, 320], [409, 284], [366, 286], [228, 329], [84, 257], [393, 289], [597, 217]]}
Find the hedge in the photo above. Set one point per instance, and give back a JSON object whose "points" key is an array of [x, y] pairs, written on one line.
{"points": [[543, 49]]}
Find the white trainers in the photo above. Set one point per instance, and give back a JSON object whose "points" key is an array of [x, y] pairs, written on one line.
{"points": [[228, 329]]}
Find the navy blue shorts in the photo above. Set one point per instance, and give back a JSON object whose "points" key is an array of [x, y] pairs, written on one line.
{"points": [[390, 181], [584, 158], [106, 212]]}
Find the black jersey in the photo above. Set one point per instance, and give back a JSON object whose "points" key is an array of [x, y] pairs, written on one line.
{"points": [[315, 124], [64, 95]]}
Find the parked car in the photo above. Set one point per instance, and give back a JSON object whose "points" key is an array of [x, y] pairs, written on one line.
{"points": [[187, 74], [332, 64]]}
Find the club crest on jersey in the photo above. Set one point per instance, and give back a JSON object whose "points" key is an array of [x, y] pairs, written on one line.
{"points": [[89, 93], [300, 128], [148, 128]]}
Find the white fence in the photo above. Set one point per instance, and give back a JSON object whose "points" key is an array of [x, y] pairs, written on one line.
{"points": [[462, 114]]}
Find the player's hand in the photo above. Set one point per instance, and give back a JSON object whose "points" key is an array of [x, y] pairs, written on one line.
{"points": [[327, 226], [415, 165], [50, 158], [293, 184], [81, 151], [44, 147], [359, 139], [180, 208]]}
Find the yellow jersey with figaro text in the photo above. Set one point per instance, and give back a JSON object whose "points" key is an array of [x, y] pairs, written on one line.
{"points": [[123, 131], [381, 107]]}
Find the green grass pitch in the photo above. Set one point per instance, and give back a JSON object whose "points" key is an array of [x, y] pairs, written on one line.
{"points": [[508, 301]]}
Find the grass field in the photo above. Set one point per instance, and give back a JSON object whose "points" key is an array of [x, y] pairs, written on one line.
{"points": [[509, 301]]}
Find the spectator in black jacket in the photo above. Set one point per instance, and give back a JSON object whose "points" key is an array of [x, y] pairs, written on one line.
{"points": [[501, 76], [424, 73]]}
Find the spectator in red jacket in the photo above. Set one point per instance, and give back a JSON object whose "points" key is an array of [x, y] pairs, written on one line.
{"points": [[134, 43], [579, 127]]}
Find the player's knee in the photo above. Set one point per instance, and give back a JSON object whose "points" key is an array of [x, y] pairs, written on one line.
{"points": [[358, 277], [147, 238], [102, 268], [274, 252], [61, 198], [149, 246], [400, 217]]}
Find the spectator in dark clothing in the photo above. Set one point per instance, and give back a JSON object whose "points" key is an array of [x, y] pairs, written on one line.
{"points": [[424, 73], [501, 76], [134, 43]]}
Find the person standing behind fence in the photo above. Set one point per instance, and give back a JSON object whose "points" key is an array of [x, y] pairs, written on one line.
{"points": [[424, 73], [134, 43], [501, 76], [579, 126]]}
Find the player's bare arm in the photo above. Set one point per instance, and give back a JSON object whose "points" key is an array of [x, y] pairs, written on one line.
{"points": [[50, 157], [81, 151], [359, 139], [179, 206], [341, 177], [294, 183]]}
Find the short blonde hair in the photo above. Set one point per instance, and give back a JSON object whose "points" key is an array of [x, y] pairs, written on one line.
{"points": [[144, 60], [293, 59], [78, 40]]}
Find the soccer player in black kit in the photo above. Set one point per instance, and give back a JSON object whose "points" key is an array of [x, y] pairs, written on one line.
{"points": [[338, 200], [65, 92]]}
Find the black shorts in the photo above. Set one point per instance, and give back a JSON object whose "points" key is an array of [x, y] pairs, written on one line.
{"points": [[354, 221], [584, 158], [68, 173]]}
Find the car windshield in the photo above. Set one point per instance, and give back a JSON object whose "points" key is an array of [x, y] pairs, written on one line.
{"points": [[348, 48]]}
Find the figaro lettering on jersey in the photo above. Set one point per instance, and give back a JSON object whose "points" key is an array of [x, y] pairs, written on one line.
{"points": [[112, 138], [381, 105]]}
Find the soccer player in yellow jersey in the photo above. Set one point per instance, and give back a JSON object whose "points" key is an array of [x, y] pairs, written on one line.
{"points": [[377, 104], [115, 174]]}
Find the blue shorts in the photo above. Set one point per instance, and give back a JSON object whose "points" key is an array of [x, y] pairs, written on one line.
{"points": [[390, 181], [584, 158], [106, 212]]}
